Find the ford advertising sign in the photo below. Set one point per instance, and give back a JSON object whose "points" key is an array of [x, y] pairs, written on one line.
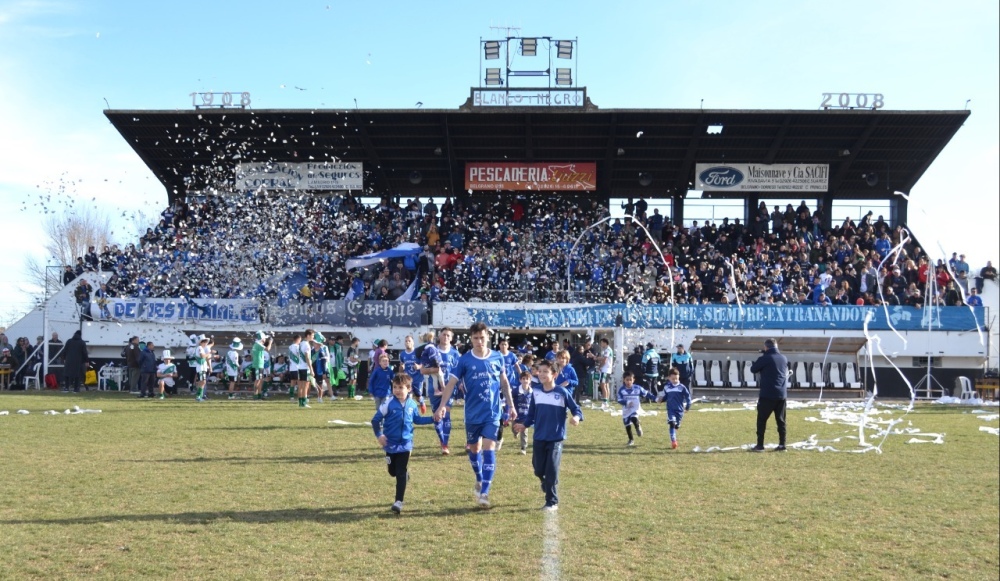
{"points": [[759, 177], [720, 177]]}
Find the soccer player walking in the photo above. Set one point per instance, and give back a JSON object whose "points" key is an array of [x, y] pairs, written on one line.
{"points": [[482, 371]]}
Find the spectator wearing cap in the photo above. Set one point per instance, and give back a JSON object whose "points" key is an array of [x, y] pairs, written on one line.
{"points": [[682, 361], [166, 372]]}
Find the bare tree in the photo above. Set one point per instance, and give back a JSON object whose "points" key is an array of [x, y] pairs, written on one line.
{"points": [[67, 237]]}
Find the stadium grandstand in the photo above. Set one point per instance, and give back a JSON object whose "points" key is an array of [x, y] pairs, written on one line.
{"points": [[550, 216]]}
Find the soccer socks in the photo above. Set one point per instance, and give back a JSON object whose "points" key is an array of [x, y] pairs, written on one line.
{"points": [[489, 467], [628, 430], [673, 433], [476, 459], [443, 429]]}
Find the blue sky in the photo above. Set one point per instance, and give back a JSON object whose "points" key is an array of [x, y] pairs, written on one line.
{"points": [[60, 60]]}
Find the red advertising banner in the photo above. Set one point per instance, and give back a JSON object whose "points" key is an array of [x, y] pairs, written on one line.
{"points": [[555, 176]]}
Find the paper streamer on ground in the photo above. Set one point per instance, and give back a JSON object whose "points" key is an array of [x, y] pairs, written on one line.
{"points": [[344, 423]]}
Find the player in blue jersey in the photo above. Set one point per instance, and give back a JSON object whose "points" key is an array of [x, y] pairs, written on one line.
{"points": [[678, 398], [630, 396], [547, 413], [393, 424], [430, 368], [411, 365], [509, 360], [482, 372]]}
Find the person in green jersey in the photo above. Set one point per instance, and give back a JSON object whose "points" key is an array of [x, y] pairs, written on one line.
{"points": [[257, 353], [166, 372]]}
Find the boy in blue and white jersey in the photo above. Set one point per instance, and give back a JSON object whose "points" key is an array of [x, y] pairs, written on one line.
{"points": [[630, 396], [678, 398], [408, 359], [393, 425], [432, 368], [522, 399], [547, 413], [482, 372]]}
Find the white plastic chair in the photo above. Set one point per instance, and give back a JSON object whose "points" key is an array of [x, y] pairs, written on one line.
{"points": [[851, 376], [734, 373], [749, 379], [33, 378], [800, 376], [963, 389], [699, 373], [714, 373], [836, 376], [817, 375]]}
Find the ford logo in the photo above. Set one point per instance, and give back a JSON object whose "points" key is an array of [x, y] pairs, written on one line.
{"points": [[721, 177]]}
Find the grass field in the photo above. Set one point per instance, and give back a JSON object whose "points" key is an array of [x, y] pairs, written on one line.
{"points": [[263, 490]]}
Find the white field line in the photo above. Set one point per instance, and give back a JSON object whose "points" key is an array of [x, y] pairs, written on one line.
{"points": [[550, 547]]}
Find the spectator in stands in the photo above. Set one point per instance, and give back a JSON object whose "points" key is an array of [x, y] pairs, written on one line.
{"points": [[988, 272], [68, 275], [974, 300]]}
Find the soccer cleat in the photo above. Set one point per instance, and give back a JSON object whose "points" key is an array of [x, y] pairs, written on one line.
{"points": [[397, 507], [478, 490], [199, 399], [780, 448], [319, 400], [524, 451], [162, 396], [550, 507], [423, 408], [673, 444], [232, 396], [630, 443], [445, 451], [484, 501], [306, 406], [638, 430], [757, 448]]}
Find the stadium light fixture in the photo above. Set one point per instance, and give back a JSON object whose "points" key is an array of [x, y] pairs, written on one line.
{"points": [[491, 49], [564, 49], [493, 77], [529, 46], [564, 77]]}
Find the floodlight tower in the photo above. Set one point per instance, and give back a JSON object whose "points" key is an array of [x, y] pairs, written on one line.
{"points": [[513, 48]]}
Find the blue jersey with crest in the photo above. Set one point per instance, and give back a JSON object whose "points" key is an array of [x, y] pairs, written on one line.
{"points": [[409, 361], [481, 376]]}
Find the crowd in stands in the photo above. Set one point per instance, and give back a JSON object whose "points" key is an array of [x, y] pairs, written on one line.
{"points": [[517, 249]]}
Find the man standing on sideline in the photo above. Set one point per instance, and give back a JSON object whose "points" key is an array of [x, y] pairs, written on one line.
{"points": [[773, 369], [682, 361], [76, 362], [147, 371], [133, 363], [651, 368], [482, 371]]}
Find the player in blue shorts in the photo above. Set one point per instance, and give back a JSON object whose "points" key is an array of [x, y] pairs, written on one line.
{"points": [[411, 365], [482, 371], [630, 396], [431, 368], [678, 398]]}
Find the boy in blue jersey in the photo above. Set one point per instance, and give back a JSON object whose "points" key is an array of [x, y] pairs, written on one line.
{"points": [[393, 425], [380, 380], [482, 372], [432, 367], [522, 399], [678, 398], [630, 396], [547, 413]]}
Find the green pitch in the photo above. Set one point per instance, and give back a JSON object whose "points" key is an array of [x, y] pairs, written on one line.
{"points": [[263, 490]]}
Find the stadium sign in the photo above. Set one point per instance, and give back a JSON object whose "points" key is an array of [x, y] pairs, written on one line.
{"points": [[525, 176], [725, 317], [207, 312], [350, 314], [756, 177], [276, 175], [529, 98]]}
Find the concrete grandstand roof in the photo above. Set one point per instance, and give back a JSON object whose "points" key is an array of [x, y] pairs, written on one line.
{"points": [[187, 149]]}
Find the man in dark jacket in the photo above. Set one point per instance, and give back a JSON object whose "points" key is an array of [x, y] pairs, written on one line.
{"points": [[773, 369], [633, 362], [132, 362], [76, 361], [147, 370]]}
